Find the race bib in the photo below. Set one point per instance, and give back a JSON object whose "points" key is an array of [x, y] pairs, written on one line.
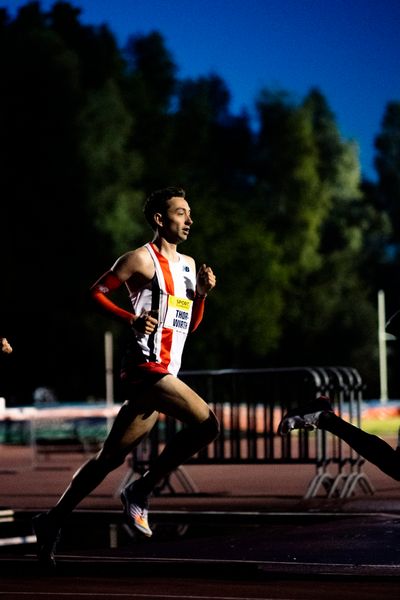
{"points": [[178, 315]]}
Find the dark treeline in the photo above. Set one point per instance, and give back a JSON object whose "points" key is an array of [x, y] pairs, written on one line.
{"points": [[299, 243]]}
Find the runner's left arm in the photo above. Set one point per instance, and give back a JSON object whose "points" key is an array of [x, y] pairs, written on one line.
{"points": [[205, 282]]}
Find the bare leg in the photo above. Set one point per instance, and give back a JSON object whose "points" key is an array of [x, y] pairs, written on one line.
{"points": [[133, 422], [168, 395], [371, 447], [174, 398], [127, 431], [130, 427]]}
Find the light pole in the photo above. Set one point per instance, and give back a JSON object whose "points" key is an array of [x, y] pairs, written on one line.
{"points": [[382, 337], [108, 350]]}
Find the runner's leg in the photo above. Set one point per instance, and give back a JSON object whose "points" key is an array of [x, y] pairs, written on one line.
{"points": [[128, 429], [371, 447], [174, 398]]}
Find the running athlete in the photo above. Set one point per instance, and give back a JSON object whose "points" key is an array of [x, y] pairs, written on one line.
{"points": [[319, 414], [167, 300]]}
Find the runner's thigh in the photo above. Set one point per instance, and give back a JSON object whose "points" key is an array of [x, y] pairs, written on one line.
{"points": [[174, 398], [130, 426]]}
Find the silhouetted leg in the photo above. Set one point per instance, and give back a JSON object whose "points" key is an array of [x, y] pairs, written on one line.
{"points": [[371, 447]]}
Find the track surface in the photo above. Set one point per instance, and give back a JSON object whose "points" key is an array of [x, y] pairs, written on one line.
{"points": [[231, 543]]}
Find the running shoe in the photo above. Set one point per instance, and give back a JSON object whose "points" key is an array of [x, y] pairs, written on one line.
{"points": [[306, 417], [47, 536], [136, 509]]}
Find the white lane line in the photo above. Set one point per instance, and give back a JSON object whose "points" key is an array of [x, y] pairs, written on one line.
{"points": [[13, 541]]}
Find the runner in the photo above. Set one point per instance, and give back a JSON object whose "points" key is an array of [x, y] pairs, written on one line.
{"points": [[168, 301]]}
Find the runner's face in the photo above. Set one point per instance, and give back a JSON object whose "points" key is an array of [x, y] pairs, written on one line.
{"points": [[177, 221]]}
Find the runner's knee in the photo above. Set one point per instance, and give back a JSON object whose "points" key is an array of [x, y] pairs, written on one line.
{"points": [[210, 427]]}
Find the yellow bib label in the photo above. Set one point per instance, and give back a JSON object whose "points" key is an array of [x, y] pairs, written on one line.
{"points": [[181, 303], [178, 314]]}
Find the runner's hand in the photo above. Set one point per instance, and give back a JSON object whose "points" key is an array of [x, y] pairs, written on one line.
{"points": [[206, 280], [5, 346], [146, 322]]}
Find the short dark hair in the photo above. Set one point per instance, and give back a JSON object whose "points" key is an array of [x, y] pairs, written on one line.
{"points": [[157, 203]]}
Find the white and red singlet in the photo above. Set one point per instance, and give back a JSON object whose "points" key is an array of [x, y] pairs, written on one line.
{"points": [[170, 295]]}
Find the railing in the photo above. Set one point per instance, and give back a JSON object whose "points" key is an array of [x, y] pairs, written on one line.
{"points": [[60, 431], [249, 404]]}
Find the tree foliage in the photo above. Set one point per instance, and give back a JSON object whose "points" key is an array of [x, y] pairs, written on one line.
{"points": [[299, 243], [388, 167]]}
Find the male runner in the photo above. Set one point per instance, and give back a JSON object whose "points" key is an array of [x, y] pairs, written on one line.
{"points": [[167, 302], [319, 414]]}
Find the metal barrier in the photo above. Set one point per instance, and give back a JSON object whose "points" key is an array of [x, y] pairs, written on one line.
{"points": [[54, 432], [249, 404]]}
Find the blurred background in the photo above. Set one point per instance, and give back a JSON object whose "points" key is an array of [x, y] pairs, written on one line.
{"points": [[296, 209]]}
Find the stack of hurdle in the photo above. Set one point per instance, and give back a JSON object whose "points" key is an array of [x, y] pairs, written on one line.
{"points": [[249, 404]]}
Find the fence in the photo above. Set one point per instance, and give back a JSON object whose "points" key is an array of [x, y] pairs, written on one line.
{"points": [[61, 430], [249, 404]]}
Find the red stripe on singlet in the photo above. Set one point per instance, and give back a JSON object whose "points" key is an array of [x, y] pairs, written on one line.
{"points": [[166, 336]]}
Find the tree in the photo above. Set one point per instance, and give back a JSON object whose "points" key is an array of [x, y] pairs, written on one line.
{"points": [[387, 196], [68, 196], [210, 145], [244, 313], [148, 88], [87, 130], [289, 189], [308, 184], [387, 163], [110, 170]]}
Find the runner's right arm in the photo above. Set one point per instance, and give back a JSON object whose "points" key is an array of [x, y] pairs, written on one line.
{"points": [[133, 269]]}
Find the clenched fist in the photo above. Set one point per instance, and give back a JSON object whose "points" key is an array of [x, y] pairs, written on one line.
{"points": [[205, 281], [146, 322]]}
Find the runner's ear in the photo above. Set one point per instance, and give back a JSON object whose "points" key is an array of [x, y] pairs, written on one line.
{"points": [[158, 219]]}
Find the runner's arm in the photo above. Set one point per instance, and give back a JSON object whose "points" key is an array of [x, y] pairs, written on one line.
{"points": [[205, 282], [135, 268], [103, 286], [197, 312]]}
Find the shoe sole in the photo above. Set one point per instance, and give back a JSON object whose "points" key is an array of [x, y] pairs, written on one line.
{"points": [[324, 406]]}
